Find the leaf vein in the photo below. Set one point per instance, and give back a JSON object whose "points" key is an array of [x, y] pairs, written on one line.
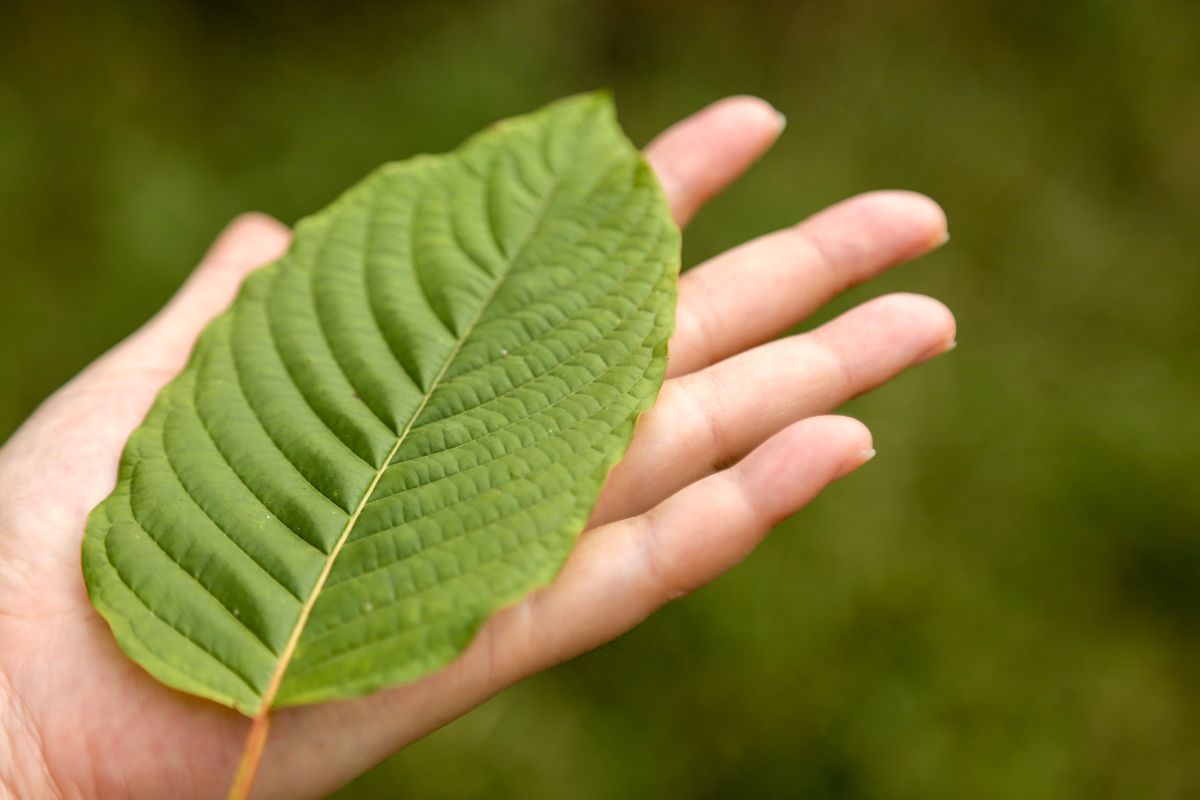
{"points": [[237, 473], [196, 501]]}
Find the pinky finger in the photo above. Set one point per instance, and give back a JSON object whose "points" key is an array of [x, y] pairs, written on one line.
{"points": [[620, 573], [617, 576]]}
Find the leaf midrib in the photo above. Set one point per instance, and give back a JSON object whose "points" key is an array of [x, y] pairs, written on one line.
{"points": [[285, 658]]}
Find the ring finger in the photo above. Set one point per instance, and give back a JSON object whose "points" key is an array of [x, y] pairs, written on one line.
{"points": [[711, 418]]}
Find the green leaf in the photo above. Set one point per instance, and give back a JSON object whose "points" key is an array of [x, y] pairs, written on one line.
{"points": [[399, 427]]}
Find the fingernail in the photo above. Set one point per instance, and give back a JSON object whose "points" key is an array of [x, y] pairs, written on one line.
{"points": [[938, 350], [860, 457], [779, 115], [940, 240]]}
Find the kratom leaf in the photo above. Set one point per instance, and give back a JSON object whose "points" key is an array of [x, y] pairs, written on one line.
{"points": [[400, 426]]}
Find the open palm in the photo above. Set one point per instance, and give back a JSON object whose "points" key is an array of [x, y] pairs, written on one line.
{"points": [[78, 719]]}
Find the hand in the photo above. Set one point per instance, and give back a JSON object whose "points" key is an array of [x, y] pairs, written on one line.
{"points": [[79, 719]]}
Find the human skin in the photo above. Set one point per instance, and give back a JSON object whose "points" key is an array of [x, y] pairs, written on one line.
{"points": [[80, 720]]}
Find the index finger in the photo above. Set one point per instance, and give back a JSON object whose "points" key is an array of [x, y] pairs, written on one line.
{"points": [[698, 157]]}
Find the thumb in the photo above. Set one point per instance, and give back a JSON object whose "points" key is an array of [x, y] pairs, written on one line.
{"points": [[164, 343], [117, 389], [76, 435]]}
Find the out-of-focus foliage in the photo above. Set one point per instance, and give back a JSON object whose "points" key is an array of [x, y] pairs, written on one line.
{"points": [[1003, 605]]}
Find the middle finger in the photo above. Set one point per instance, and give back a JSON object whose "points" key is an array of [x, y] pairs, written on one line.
{"points": [[755, 292], [704, 421]]}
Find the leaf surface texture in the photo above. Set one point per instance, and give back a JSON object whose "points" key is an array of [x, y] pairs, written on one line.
{"points": [[400, 426]]}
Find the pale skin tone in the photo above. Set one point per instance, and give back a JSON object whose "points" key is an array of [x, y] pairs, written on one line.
{"points": [[740, 438]]}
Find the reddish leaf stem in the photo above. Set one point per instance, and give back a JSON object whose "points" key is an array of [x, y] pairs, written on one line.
{"points": [[252, 755]]}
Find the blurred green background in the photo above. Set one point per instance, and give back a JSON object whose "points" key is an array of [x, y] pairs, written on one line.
{"points": [[1003, 605]]}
